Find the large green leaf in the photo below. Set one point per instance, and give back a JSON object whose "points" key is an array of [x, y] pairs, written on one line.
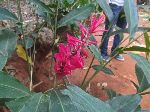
{"points": [[143, 83], [7, 15], [11, 88], [17, 104], [103, 4], [94, 49], [131, 13], [41, 5], [125, 103], [37, 102], [101, 68], [143, 64], [8, 40], [76, 15], [61, 103], [86, 102]]}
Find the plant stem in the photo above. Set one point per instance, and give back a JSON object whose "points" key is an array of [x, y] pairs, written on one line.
{"points": [[53, 42], [87, 71], [144, 93], [30, 69], [95, 73]]}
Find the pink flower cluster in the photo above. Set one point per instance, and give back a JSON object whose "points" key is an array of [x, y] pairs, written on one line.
{"points": [[71, 55]]}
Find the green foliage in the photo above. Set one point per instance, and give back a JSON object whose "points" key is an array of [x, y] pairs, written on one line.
{"points": [[11, 88], [60, 13], [143, 83], [125, 103], [7, 15], [70, 1], [147, 42], [86, 102], [94, 49], [131, 16], [41, 5], [133, 48], [101, 68], [111, 93], [103, 4], [143, 64], [8, 40], [28, 41], [34, 103], [76, 15], [71, 99]]}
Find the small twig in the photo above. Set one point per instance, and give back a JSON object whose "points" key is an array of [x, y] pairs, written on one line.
{"points": [[34, 86]]}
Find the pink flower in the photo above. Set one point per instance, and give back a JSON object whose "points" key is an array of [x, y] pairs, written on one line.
{"points": [[79, 42], [67, 60], [95, 23], [84, 31], [62, 65]]}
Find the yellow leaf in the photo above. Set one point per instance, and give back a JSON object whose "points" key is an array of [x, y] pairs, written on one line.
{"points": [[22, 54]]}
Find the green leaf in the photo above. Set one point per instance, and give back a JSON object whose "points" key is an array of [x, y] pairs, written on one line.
{"points": [[103, 4], [147, 42], [131, 13], [143, 64], [7, 15], [140, 29], [137, 48], [17, 104], [145, 111], [76, 15], [143, 83], [8, 41], [111, 93], [42, 6], [125, 103], [70, 1], [138, 109], [37, 102], [94, 49], [28, 41], [11, 88], [86, 102], [61, 103], [101, 68]]}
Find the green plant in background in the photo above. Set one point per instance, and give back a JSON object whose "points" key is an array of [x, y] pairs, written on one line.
{"points": [[59, 14]]}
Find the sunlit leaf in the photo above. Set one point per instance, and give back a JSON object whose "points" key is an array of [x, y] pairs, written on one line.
{"points": [[22, 53]]}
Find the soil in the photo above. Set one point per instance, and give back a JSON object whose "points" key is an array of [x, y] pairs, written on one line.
{"points": [[124, 72]]}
